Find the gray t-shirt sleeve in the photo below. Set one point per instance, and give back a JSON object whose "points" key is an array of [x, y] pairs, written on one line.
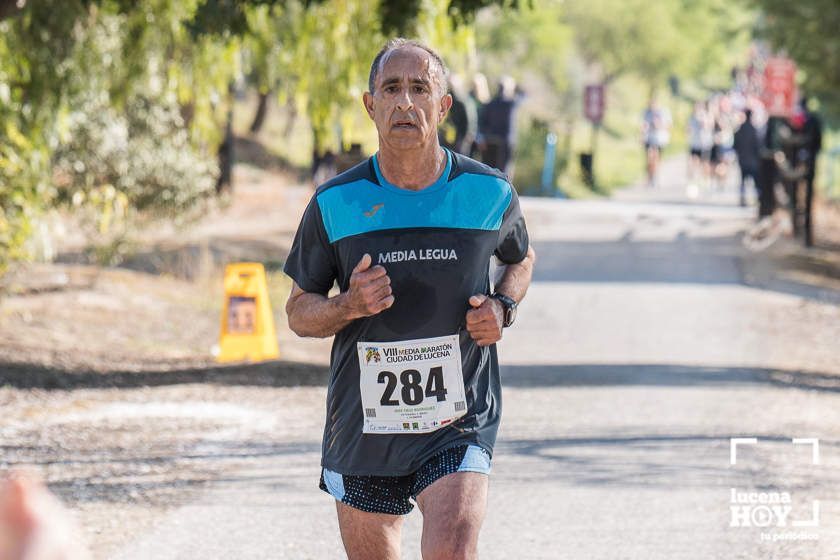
{"points": [[512, 245], [311, 262]]}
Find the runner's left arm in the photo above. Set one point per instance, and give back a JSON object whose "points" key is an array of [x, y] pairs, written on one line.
{"points": [[517, 277], [485, 320]]}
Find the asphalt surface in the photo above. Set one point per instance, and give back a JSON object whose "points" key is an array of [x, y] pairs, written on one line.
{"points": [[643, 346]]}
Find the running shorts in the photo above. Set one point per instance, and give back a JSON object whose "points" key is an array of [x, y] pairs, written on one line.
{"points": [[392, 494]]}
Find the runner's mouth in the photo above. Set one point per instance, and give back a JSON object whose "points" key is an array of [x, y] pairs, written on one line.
{"points": [[404, 125]]}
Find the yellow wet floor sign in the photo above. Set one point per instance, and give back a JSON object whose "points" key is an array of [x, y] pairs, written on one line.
{"points": [[247, 323]]}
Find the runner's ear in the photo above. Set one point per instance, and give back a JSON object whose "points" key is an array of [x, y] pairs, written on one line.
{"points": [[445, 105], [367, 101]]}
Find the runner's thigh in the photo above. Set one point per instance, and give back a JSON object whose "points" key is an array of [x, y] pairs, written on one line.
{"points": [[453, 510], [369, 536]]}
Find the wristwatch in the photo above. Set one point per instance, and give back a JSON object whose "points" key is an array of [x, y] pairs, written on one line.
{"points": [[510, 308]]}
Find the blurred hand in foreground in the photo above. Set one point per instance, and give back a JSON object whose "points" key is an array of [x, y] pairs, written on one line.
{"points": [[34, 525]]}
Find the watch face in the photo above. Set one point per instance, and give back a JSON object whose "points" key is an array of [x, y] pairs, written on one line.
{"points": [[510, 308], [510, 316]]}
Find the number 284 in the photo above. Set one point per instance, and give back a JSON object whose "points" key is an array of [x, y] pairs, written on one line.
{"points": [[412, 392]]}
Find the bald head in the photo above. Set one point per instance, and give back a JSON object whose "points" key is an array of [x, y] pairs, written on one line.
{"points": [[400, 45]]}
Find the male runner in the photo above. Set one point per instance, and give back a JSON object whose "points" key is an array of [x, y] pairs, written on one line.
{"points": [[413, 402]]}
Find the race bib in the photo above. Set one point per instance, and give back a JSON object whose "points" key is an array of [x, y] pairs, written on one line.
{"points": [[411, 386]]}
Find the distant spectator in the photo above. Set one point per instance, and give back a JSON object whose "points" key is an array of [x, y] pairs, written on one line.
{"points": [[480, 96], [459, 130], [812, 130], [747, 146], [723, 152], [656, 134], [700, 139], [497, 126]]}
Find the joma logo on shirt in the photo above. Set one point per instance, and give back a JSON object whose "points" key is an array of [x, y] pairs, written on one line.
{"points": [[418, 255], [376, 207]]}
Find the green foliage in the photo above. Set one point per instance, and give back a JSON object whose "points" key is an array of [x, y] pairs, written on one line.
{"points": [[22, 169], [808, 32], [393, 16], [535, 46], [557, 47], [337, 41], [657, 39], [89, 92], [118, 106], [32, 77], [530, 152], [140, 158], [399, 17], [320, 56]]}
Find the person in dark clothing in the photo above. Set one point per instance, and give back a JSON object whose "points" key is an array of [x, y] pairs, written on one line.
{"points": [[747, 148], [807, 155], [479, 95], [387, 231], [497, 125], [459, 130]]}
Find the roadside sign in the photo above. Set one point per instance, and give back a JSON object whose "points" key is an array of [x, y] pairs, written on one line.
{"points": [[779, 93], [247, 332], [593, 103]]}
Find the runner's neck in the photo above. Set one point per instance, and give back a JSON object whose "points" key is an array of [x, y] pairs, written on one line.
{"points": [[412, 170]]}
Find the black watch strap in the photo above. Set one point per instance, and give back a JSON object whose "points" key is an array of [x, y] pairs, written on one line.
{"points": [[509, 305]]}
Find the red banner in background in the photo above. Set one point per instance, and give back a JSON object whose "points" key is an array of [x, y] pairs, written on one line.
{"points": [[779, 92]]}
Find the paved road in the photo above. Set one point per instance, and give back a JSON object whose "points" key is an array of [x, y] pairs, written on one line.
{"points": [[644, 345], [637, 356]]}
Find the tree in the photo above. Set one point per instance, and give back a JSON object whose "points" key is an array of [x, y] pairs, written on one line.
{"points": [[70, 66], [73, 71], [656, 39]]}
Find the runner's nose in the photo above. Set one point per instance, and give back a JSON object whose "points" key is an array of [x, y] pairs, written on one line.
{"points": [[404, 102]]}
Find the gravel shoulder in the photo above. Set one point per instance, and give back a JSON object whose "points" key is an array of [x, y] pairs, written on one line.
{"points": [[160, 311]]}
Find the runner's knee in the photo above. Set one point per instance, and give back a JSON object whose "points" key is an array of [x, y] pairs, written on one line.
{"points": [[459, 542]]}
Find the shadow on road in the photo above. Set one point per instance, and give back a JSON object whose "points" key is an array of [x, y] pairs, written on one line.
{"points": [[653, 460], [292, 374], [661, 375], [152, 476], [682, 260], [276, 373]]}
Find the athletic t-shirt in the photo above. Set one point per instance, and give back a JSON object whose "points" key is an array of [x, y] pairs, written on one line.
{"points": [[436, 245]]}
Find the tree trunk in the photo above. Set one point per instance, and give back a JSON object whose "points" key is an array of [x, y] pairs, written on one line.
{"points": [[226, 155], [259, 116], [292, 117], [316, 151]]}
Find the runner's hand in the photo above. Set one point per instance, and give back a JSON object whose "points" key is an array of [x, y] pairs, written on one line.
{"points": [[34, 525], [370, 289], [485, 320]]}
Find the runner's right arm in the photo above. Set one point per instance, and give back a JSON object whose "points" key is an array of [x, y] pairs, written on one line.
{"points": [[317, 315]]}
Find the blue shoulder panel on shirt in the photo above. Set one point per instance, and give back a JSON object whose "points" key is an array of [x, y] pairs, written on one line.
{"points": [[470, 201]]}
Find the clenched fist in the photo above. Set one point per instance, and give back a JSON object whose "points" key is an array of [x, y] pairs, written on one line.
{"points": [[370, 290], [485, 320]]}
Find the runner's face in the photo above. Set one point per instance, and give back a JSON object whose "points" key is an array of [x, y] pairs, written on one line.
{"points": [[408, 101]]}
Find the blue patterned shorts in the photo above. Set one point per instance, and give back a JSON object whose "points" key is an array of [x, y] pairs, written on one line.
{"points": [[391, 494]]}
